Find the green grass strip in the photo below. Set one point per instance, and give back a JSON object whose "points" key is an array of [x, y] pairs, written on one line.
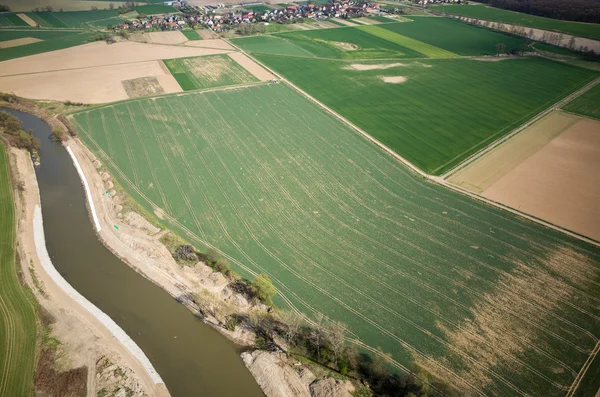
{"points": [[416, 45], [587, 104], [17, 313], [191, 34]]}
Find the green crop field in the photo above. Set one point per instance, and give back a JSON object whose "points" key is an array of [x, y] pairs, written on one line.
{"points": [[208, 72], [455, 36], [155, 9], [482, 299], [325, 43], [445, 110], [496, 14], [53, 40], [11, 19], [191, 35], [415, 45], [17, 312], [587, 104], [270, 45], [380, 18]]}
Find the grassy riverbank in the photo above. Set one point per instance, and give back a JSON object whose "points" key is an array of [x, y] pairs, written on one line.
{"points": [[17, 312]]}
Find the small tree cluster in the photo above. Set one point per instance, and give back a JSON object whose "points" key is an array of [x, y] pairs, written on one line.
{"points": [[13, 132]]}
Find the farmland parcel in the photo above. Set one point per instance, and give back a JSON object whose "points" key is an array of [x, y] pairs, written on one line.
{"points": [[445, 110], [17, 312], [483, 300]]}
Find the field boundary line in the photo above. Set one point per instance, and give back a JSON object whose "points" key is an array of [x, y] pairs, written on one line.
{"points": [[520, 128], [440, 179]]}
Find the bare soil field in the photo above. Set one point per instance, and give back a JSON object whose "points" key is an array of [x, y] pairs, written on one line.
{"points": [[18, 42], [66, 5], [27, 19], [207, 34], [98, 54], [257, 71], [169, 38], [366, 21], [488, 169], [88, 85], [346, 22], [559, 183], [218, 44]]}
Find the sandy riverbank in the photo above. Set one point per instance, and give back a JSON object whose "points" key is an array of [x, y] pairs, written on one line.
{"points": [[85, 341]]}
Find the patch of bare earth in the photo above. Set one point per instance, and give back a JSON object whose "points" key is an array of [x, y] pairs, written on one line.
{"points": [[345, 22], [255, 69], [18, 42], [506, 324], [88, 85], [169, 38], [559, 183], [207, 34], [27, 19], [142, 86], [219, 44], [345, 46], [380, 66], [393, 79]]}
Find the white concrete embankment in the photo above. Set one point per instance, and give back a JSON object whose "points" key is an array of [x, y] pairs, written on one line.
{"points": [[88, 193], [117, 332]]}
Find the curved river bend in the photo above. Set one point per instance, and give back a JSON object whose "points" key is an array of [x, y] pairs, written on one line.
{"points": [[192, 358]]}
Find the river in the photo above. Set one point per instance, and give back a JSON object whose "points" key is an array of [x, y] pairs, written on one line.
{"points": [[192, 358]]}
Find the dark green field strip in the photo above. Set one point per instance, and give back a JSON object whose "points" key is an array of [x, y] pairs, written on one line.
{"points": [[11, 19], [381, 19], [321, 43], [270, 45], [76, 19], [455, 36], [446, 110], [191, 34], [47, 19], [335, 22], [587, 104], [155, 9], [65, 41], [17, 313], [498, 15], [284, 188], [208, 72], [46, 35]]}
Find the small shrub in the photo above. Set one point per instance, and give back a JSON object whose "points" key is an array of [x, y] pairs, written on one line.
{"points": [[263, 289], [185, 253], [58, 134], [222, 266]]}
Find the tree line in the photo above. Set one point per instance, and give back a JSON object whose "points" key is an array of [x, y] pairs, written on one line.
{"points": [[12, 130], [568, 10]]}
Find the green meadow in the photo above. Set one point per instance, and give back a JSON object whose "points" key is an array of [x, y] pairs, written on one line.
{"points": [[587, 104]]}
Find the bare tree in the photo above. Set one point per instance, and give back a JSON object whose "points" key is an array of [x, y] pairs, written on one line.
{"points": [[336, 334], [572, 43], [111, 6], [500, 49], [292, 323], [316, 335], [531, 34]]}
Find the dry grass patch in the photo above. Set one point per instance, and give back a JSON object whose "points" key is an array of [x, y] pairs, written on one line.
{"points": [[345, 46], [142, 86], [393, 79], [18, 42], [361, 67], [27, 19]]}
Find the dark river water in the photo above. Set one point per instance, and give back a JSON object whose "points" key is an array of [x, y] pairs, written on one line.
{"points": [[192, 358]]}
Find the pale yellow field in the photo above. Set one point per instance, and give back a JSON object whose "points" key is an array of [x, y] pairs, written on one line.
{"points": [[29, 21], [218, 44], [18, 42], [99, 84], [172, 37], [257, 71], [98, 54]]}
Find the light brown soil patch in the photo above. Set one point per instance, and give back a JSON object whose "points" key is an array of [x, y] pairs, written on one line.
{"points": [[207, 34], [257, 71], [169, 38], [98, 54], [488, 169], [393, 79], [142, 86], [211, 43], [345, 22], [326, 25], [359, 66], [90, 85], [366, 21], [18, 42], [29, 21], [346, 46], [559, 183]]}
